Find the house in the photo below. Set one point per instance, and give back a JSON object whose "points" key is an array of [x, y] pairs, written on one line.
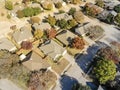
{"points": [[22, 35], [35, 62], [42, 26], [63, 16], [103, 15], [6, 44], [94, 8], [110, 4], [81, 30], [53, 50], [65, 37]]}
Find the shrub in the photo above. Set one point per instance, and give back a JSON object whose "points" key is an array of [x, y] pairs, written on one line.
{"points": [[8, 5]]}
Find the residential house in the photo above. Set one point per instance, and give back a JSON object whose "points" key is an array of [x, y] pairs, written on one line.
{"points": [[81, 30], [35, 62], [6, 44], [22, 35], [42, 26], [53, 50], [103, 15], [65, 37], [95, 8], [63, 16], [110, 4]]}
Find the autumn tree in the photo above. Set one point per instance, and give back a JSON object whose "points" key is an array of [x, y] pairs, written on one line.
{"points": [[78, 43], [34, 20], [79, 16], [51, 33], [51, 20], [26, 45], [105, 70], [38, 34], [110, 53]]}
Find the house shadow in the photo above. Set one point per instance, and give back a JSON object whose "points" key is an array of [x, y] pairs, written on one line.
{"points": [[85, 60], [67, 82]]}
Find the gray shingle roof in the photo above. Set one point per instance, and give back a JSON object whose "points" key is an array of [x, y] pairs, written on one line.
{"points": [[6, 44]]}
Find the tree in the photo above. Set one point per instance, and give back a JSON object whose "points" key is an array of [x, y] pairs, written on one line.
{"points": [[26, 45], [79, 86], [28, 12], [100, 3], [105, 70], [51, 20], [78, 43], [8, 4], [117, 8], [58, 5], [36, 10], [63, 24], [110, 54], [20, 14], [75, 1], [38, 34], [47, 5], [117, 19], [51, 33], [72, 11], [72, 22], [79, 17], [109, 18]]}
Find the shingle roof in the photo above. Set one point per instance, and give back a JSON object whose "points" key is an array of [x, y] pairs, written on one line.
{"points": [[23, 34], [35, 62], [65, 36], [42, 26], [6, 44], [52, 49]]}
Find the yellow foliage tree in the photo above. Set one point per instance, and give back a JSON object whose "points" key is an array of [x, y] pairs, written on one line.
{"points": [[38, 34]]}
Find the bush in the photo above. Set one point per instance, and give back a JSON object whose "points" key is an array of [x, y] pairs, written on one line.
{"points": [[58, 5], [8, 5]]}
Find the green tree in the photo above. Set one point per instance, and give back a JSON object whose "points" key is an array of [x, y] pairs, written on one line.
{"points": [[72, 11], [79, 86], [117, 18], [100, 3], [63, 24], [28, 12], [58, 5], [109, 18], [51, 20], [36, 10], [105, 70], [8, 5], [117, 8]]}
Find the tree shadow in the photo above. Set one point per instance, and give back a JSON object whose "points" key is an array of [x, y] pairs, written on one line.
{"points": [[85, 61], [67, 82]]}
